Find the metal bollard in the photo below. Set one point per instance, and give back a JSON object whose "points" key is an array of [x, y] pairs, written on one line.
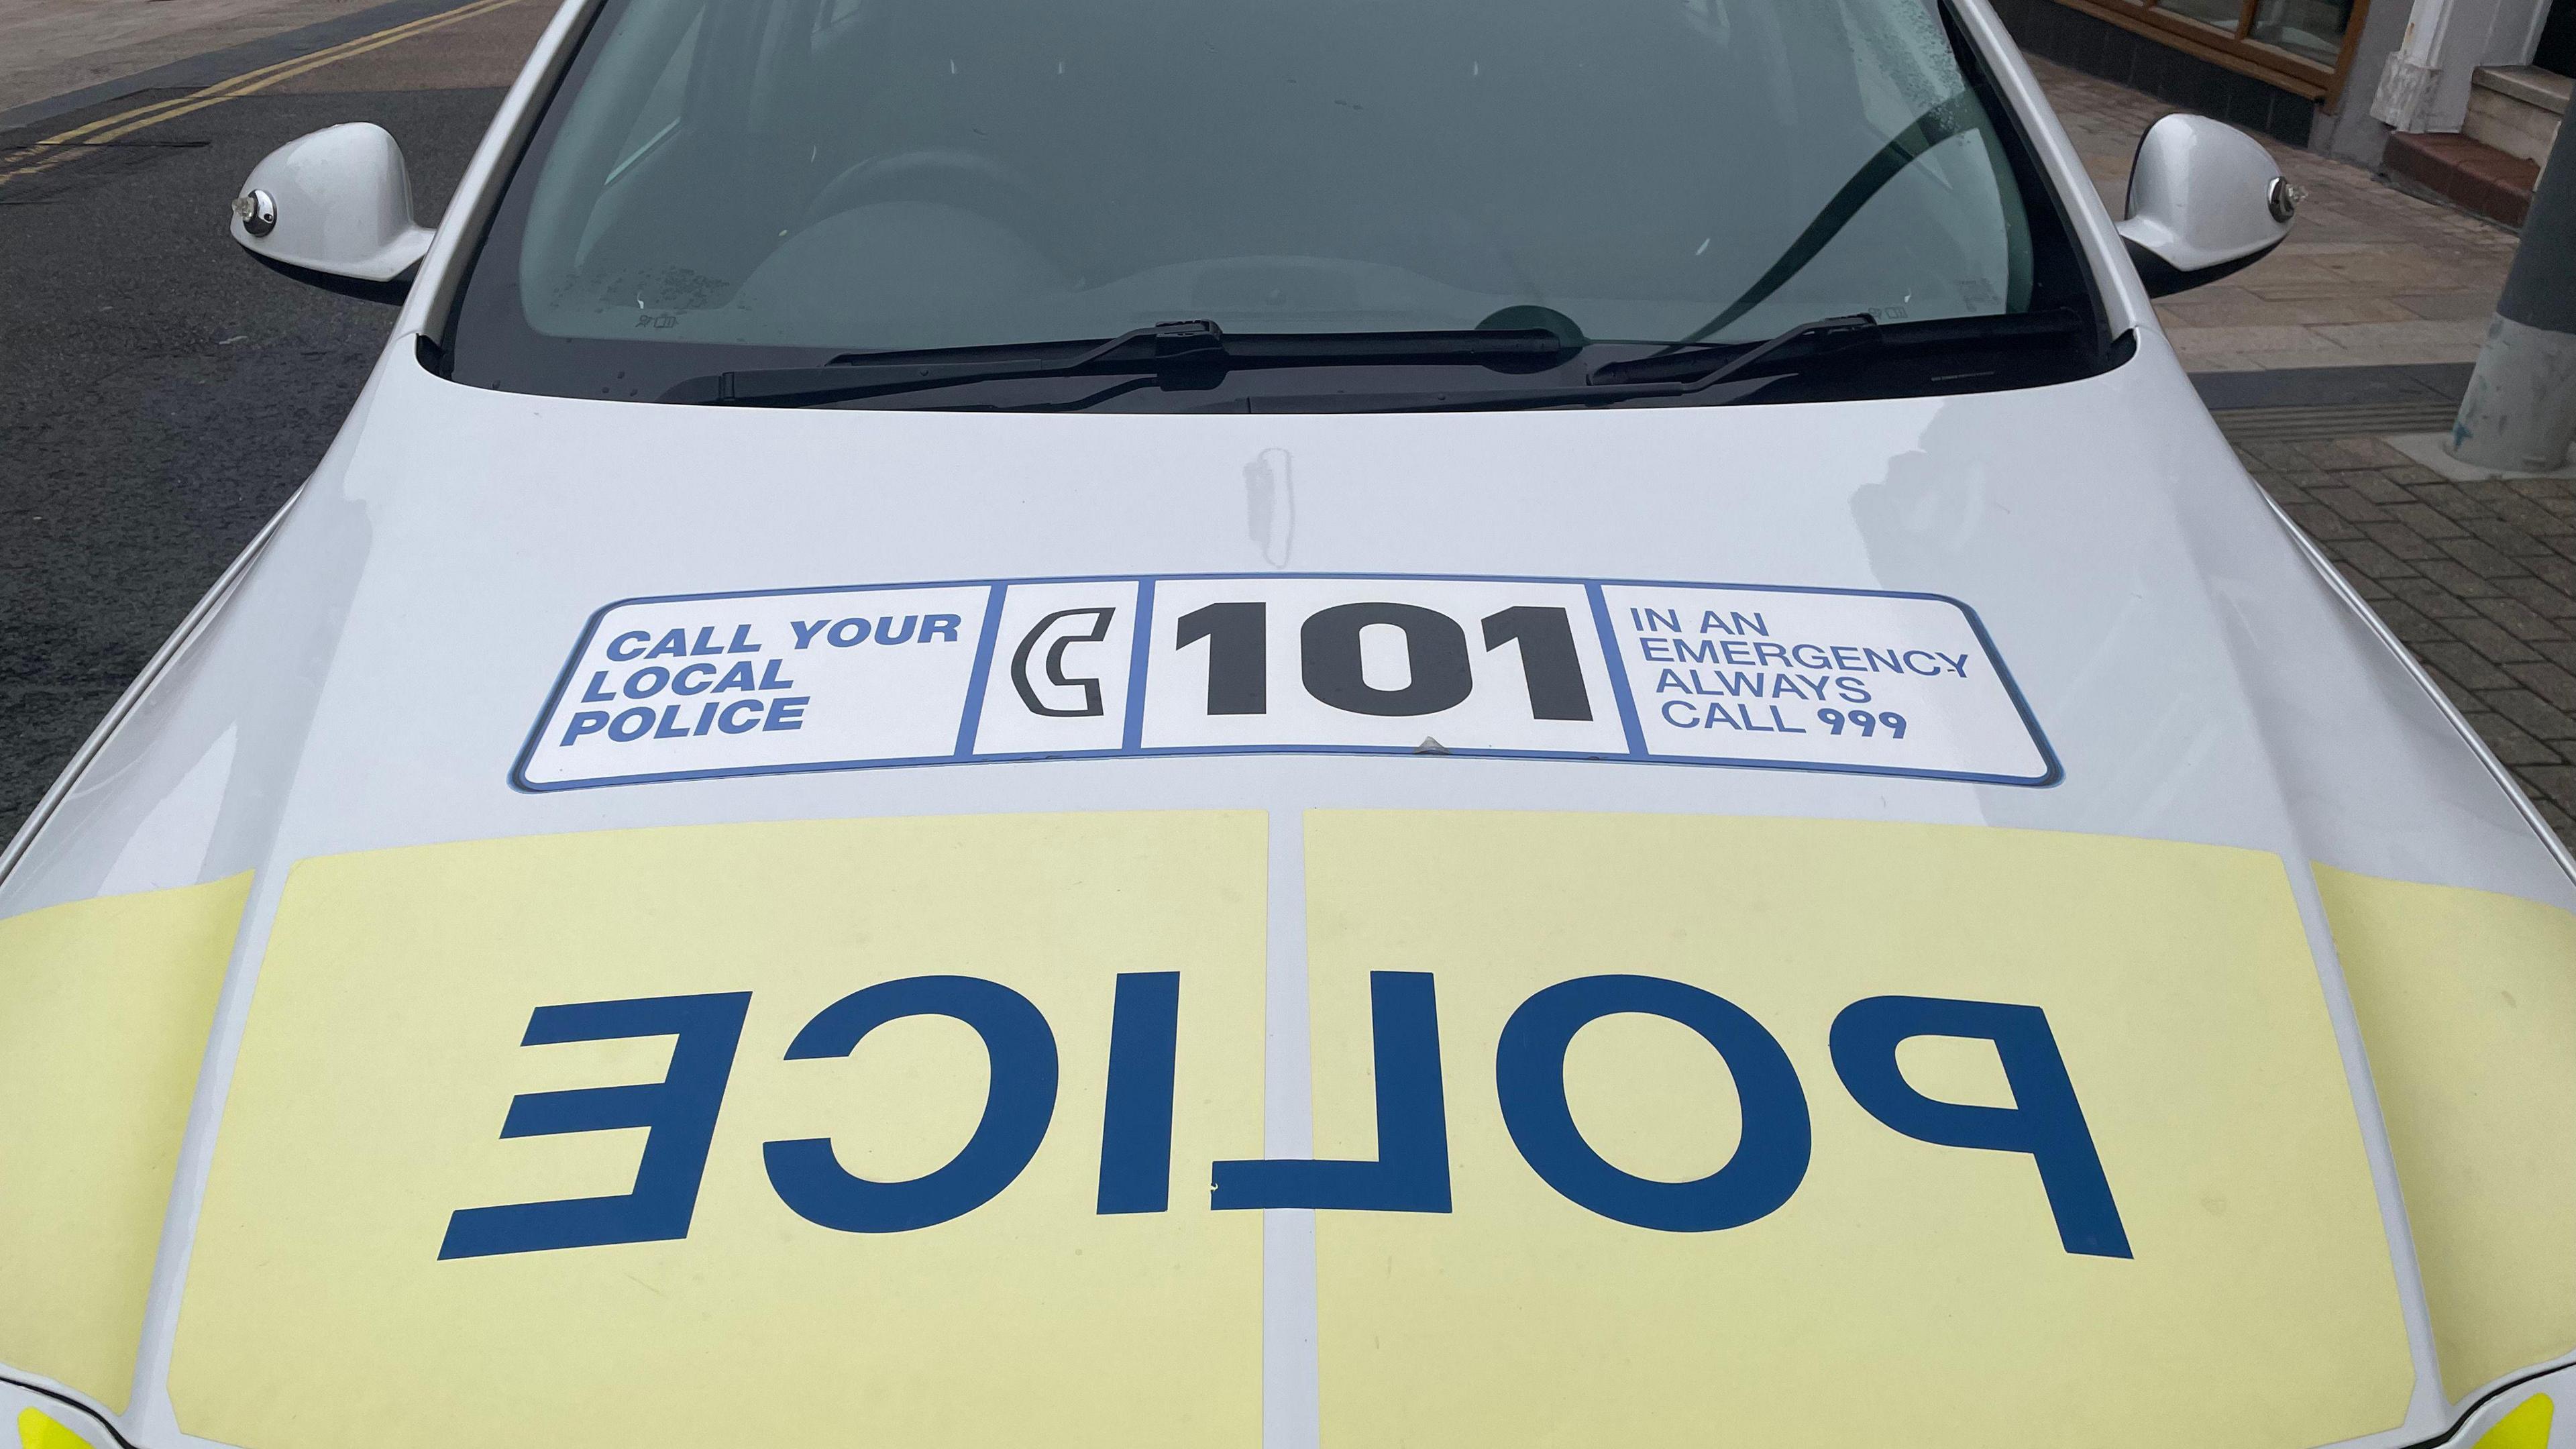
{"points": [[2520, 412]]}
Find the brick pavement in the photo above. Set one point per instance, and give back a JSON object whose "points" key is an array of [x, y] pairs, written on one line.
{"points": [[2478, 579]]}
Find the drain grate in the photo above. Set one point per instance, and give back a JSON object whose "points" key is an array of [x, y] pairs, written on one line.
{"points": [[2290, 425]]}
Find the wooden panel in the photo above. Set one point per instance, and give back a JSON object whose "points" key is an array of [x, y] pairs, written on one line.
{"points": [[2271, 66]]}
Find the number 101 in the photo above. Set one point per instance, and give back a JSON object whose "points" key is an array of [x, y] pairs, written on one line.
{"points": [[1441, 673]]}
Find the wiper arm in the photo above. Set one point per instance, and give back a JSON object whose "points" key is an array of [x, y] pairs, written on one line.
{"points": [[1929, 130], [1817, 346], [1679, 373], [1191, 353], [1605, 385], [1602, 386]]}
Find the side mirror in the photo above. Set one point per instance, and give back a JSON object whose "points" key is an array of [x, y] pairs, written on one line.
{"points": [[334, 209], [2205, 200]]}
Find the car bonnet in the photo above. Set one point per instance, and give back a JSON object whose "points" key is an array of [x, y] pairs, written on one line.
{"points": [[1933, 917]]}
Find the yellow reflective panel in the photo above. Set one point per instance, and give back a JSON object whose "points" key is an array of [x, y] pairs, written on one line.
{"points": [[2527, 1427], [2468, 1007], [105, 1006], [1901, 1289], [363, 1139], [40, 1430]]}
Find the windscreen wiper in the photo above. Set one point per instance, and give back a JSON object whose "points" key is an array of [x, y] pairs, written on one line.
{"points": [[1699, 370], [1183, 354], [1951, 117], [1606, 384], [1729, 375]]}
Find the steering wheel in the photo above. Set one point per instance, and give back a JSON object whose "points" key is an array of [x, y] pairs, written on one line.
{"points": [[967, 180]]}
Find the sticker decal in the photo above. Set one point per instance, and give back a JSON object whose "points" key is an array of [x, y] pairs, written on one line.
{"points": [[1840, 680], [957, 1129], [745, 1135]]}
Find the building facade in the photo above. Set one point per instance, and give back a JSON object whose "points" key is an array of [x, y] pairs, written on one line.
{"points": [[2459, 98]]}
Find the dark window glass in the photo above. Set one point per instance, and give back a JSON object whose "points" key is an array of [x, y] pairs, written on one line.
{"points": [[737, 184]]}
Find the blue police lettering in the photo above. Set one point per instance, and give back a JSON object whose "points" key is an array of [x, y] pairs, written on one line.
{"points": [[678, 1115], [2044, 1120], [1136, 1120], [1018, 1102], [1770, 1157], [1410, 1174]]}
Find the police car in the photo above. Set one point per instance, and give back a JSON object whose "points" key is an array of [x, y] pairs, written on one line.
{"points": [[1334, 725]]}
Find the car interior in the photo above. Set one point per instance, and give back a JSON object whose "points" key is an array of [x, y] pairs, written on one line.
{"points": [[918, 173]]}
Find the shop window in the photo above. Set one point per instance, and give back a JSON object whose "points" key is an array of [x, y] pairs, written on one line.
{"points": [[2300, 46], [2310, 28]]}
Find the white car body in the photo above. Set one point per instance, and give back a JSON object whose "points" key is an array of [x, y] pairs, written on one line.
{"points": [[2303, 946]]}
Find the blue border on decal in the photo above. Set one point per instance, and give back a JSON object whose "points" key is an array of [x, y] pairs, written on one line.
{"points": [[1620, 692], [1141, 644], [1140, 649], [977, 682]]}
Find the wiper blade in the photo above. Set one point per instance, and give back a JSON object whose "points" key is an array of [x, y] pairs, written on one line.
{"points": [[1735, 373], [1605, 384], [2009, 329], [1189, 354]]}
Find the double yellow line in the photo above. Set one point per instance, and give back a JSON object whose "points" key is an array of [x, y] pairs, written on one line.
{"points": [[54, 150]]}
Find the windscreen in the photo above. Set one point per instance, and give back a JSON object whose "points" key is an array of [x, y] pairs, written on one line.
{"points": [[825, 177]]}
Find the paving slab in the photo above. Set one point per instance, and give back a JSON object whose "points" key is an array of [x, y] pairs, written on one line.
{"points": [[2478, 578]]}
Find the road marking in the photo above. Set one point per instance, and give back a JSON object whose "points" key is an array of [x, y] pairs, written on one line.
{"points": [[38, 157]]}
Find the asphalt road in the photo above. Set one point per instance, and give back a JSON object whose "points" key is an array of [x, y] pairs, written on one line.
{"points": [[161, 395]]}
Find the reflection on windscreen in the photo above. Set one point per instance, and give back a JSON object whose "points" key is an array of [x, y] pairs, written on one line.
{"points": [[861, 174]]}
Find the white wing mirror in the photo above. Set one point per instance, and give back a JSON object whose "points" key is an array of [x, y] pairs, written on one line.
{"points": [[2205, 200], [334, 208]]}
